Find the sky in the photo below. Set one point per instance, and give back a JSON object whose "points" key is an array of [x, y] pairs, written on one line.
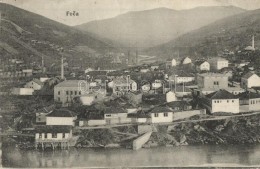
{"points": [[90, 10]]}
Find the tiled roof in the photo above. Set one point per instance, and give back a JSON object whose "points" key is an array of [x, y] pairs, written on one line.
{"points": [[61, 113], [114, 110], [198, 63], [221, 94], [248, 95], [180, 104], [248, 75], [69, 83], [51, 129], [160, 109]]}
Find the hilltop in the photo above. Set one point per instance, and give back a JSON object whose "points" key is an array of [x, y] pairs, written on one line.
{"points": [[156, 26], [29, 36], [233, 33]]}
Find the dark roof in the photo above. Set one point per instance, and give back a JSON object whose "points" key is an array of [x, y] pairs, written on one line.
{"points": [[61, 113], [139, 114], [221, 94], [52, 128], [114, 110], [248, 95], [248, 75], [160, 109], [199, 62], [180, 104]]}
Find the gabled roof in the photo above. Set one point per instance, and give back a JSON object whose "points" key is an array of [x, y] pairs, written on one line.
{"points": [[248, 95], [198, 63], [160, 109], [179, 103], [52, 129], [248, 75], [69, 83], [114, 110], [37, 81], [61, 113], [221, 94]]}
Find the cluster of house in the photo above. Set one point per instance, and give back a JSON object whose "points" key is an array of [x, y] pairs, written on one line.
{"points": [[212, 64]]}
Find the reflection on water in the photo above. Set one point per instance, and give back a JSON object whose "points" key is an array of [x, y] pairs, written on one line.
{"points": [[160, 156]]}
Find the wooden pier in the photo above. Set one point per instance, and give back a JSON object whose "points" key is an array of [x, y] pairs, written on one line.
{"points": [[54, 144]]}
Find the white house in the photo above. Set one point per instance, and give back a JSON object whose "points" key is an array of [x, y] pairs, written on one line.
{"points": [[250, 80], [249, 101], [22, 91], [186, 60], [202, 66], [114, 115], [157, 84], [181, 77], [217, 63], [61, 117], [170, 96], [34, 84], [161, 115], [221, 101], [55, 133]]}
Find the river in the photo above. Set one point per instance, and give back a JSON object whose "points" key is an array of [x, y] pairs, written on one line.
{"points": [[205, 155]]}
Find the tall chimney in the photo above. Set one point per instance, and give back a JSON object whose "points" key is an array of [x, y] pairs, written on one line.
{"points": [[62, 67]]}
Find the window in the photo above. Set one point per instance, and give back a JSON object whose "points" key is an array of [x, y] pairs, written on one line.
{"points": [[227, 101], [79, 92], [232, 101], [76, 92], [58, 92], [215, 82], [45, 135], [165, 114], [67, 92], [156, 115], [108, 115], [71, 92], [63, 135], [54, 135], [39, 119]]}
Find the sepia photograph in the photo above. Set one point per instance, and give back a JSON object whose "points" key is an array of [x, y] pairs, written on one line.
{"points": [[129, 83]]}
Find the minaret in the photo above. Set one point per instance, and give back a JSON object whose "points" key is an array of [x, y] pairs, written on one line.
{"points": [[62, 68], [253, 42]]}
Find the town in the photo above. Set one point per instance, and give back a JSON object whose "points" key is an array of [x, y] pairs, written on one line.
{"points": [[54, 110]]}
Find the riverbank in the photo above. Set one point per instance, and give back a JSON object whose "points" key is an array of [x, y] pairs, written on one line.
{"points": [[233, 130]]}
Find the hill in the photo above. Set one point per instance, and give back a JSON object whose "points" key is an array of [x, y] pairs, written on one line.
{"points": [[30, 36], [153, 27], [233, 33]]}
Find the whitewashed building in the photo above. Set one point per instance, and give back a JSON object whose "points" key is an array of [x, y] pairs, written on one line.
{"points": [[186, 60], [221, 101], [250, 80], [161, 115], [217, 63], [61, 117], [202, 66], [249, 101], [34, 84]]}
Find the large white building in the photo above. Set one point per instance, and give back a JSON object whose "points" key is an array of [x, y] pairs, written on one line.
{"points": [[186, 60], [250, 80], [212, 81], [221, 101], [217, 63], [249, 101]]}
